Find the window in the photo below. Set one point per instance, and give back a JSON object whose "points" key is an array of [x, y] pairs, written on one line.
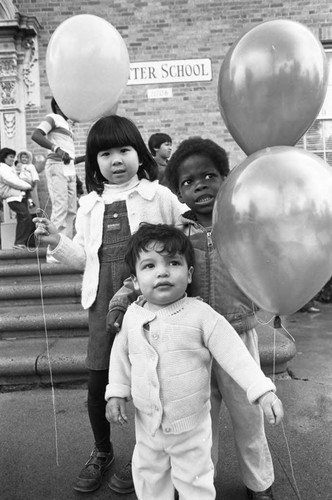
{"points": [[318, 138]]}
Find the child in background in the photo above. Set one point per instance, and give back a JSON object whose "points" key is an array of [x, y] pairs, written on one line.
{"points": [[195, 172], [122, 191], [162, 359], [12, 189], [27, 172], [160, 145]]}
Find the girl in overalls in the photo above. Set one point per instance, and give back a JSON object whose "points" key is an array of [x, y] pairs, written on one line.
{"points": [[120, 176]]}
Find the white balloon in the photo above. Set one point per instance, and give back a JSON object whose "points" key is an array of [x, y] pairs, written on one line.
{"points": [[87, 65]]}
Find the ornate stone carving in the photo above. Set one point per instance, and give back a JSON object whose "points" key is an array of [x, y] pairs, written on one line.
{"points": [[9, 121], [30, 59], [8, 67], [7, 92]]}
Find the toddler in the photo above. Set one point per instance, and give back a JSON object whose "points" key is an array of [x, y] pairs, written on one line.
{"points": [[162, 359]]}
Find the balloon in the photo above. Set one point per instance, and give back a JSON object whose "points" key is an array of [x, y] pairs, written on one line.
{"points": [[272, 226], [87, 66], [272, 84]]}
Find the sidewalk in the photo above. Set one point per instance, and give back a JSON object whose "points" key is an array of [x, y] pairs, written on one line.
{"points": [[29, 446]]}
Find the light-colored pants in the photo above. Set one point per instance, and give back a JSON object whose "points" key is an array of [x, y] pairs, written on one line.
{"points": [[62, 191], [252, 450], [166, 461]]}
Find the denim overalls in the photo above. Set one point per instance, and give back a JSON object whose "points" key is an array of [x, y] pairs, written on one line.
{"points": [[113, 271]]}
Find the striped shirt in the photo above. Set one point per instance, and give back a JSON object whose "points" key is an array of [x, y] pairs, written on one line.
{"points": [[58, 131]]}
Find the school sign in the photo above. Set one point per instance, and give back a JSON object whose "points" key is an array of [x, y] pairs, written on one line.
{"points": [[176, 71]]}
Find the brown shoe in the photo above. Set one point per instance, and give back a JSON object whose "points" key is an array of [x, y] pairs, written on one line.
{"points": [[91, 476], [122, 481], [260, 495]]}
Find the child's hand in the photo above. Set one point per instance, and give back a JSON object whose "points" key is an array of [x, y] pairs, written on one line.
{"points": [[272, 407], [116, 411], [46, 231], [65, 157], [114, 321]]}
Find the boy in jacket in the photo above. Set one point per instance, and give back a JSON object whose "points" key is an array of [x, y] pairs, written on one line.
{"points": [[195, 173], [162, 359]]}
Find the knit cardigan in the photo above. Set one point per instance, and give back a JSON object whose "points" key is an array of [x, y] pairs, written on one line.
{"points": [[165, 367], [147, 202]]}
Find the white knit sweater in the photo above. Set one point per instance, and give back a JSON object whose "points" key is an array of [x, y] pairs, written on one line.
{"points": [[146, 202], [165, 368]]}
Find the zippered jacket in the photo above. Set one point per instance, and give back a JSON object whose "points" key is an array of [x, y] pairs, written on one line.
{"points": [[211, 281]]}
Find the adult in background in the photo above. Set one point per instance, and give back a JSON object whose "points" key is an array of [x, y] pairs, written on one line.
{"points": [[55, 134], [160, 145], [13, 189]]}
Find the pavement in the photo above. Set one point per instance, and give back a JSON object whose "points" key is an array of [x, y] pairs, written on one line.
{"points": [[45, 435]]}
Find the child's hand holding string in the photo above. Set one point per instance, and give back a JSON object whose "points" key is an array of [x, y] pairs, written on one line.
{"points": [[272, 407], [116, 411], [46, 231]]}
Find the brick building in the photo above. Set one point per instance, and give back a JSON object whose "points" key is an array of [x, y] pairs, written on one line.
{"points": [[154, 31]]}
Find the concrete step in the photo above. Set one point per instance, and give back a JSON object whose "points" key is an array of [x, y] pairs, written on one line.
{"points": [[10, 270], [28, 361], [20, 292], [65, 319], [21, 256]]}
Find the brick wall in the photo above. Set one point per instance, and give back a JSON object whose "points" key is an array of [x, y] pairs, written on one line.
{"points": [[172, 29]]}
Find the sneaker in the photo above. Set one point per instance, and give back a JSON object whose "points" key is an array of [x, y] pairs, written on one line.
{"points": [[20, 247], [313, 309], [260, 495], [122, 481], [91, 476]]}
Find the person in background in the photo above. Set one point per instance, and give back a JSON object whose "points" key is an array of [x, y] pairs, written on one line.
{"points": [[162, 360], [120, 177], [13, 189], [27, 172], [160, 145], [54, 133]]}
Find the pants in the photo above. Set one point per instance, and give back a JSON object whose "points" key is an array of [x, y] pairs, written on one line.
{"points": [[165, 461], [25, 227], [252, 450], [62, 190], [97, 382]]}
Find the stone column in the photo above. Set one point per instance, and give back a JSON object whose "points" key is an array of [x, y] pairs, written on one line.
{"points": [[19, 77]]}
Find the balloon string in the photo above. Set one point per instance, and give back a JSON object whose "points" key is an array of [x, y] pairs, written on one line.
{"points": [[293, 485], [42, 212], [278, 322], [48, 355], [285, 330], [274, 356]]}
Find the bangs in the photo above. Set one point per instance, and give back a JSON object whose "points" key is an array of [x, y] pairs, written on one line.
{"points": [[113, 132], [169, 246]]}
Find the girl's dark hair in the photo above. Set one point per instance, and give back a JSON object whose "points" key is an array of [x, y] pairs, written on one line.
{"points": [[195, 146], [172, 239], [113, 132], [4, 152]]}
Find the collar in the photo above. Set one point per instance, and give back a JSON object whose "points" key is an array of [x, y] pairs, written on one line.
{"points": [[145, 188], [144, 315]]}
